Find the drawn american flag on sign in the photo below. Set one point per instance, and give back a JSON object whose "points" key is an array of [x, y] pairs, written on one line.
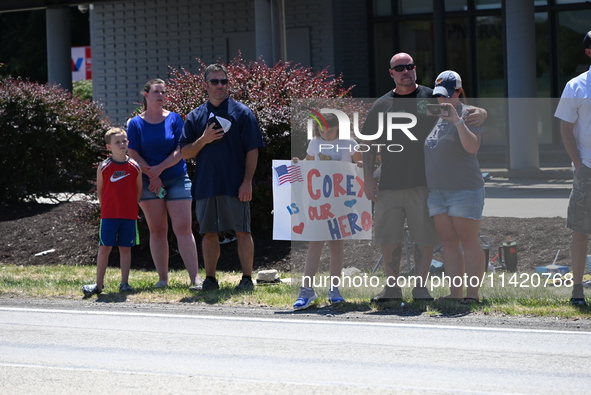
{"points": [[289, 174]]}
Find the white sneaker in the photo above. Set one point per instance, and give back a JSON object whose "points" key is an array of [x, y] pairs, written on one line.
{"points": [[161, 284]]}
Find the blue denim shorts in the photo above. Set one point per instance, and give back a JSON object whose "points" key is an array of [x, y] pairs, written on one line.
{"points": [[176, 189], [467, 203]]}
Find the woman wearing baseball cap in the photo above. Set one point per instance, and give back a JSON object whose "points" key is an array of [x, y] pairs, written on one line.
{"points": [[456, 188]]}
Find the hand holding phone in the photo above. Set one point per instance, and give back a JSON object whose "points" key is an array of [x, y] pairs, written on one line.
{"points": [[161, 193], [437, 110]]}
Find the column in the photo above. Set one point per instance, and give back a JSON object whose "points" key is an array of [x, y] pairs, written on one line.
{"points": [[521, 83], [59, 58], [263, 30]]}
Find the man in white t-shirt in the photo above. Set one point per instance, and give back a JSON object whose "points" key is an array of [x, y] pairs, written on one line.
{"points": [[574, 111]]}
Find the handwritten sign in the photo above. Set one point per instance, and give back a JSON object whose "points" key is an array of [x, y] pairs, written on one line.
{"points": [[319, 200]]}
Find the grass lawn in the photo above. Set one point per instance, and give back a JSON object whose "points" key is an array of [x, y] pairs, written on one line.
{"points": [[502, 293]]}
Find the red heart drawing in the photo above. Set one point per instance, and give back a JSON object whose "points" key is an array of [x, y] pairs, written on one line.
{"points": [[299, 228]]}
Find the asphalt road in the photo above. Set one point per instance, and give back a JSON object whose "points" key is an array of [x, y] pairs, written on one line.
{"points": [[129, 350]]}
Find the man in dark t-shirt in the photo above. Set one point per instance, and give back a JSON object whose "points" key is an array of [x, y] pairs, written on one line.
{"points": [[402, 184]]}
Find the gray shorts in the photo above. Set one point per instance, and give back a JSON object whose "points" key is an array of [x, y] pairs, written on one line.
{"points": [[579, 205], [222, 214], [394, 207]]}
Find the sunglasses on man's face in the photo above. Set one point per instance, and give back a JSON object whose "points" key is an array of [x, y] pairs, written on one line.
{"points": [[401, 67], [216, 81]]}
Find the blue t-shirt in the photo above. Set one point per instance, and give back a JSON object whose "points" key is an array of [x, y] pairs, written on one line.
{"points": [[155, 142], [220, 165]]}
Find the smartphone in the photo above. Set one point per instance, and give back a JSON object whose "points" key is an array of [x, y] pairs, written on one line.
{"points": [[215, 122], [437, 110], [161, 193]]}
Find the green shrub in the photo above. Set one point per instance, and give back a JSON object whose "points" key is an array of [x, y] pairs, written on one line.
{"points": [[82, 89], [268, 92], [50, 141]]}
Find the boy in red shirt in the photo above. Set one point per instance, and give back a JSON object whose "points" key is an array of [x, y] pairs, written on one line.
{"points": [[118, 187]]}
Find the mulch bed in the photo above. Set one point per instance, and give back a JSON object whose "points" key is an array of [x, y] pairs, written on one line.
{"points": [[30, 228]]}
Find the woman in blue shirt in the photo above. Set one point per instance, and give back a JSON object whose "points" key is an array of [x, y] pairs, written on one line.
{"points": [[153, 142]]}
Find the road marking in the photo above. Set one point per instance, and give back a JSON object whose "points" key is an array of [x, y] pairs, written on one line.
{"points": [[293, 320]]}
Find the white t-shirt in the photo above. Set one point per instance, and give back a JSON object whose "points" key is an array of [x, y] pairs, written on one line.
{"points": [[575, 107], [342, 150]]}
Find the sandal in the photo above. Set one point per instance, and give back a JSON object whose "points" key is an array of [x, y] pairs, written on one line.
{"points": [[470, 301], [446, 299]]}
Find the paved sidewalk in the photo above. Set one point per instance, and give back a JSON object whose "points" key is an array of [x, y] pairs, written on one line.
{"points": [[527, 197]]}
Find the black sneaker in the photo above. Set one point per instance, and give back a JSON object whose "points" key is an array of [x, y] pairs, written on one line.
{"points": [[421, 293], [125, 287], [578, 302], [245, 284], [388, 294], [210, 284], [198, 286]]}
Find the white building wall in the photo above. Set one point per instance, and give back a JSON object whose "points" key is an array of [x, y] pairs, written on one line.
{"points": [[133, 42]]}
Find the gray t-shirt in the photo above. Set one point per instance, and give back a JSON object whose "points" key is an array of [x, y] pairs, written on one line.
{"points": [[447, 164]]}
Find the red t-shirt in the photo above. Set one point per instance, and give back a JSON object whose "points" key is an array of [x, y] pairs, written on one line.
{"points": [[119, 194]]}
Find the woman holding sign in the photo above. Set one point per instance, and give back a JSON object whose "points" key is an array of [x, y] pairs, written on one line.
{"points": [[456, 188], [326, 146]]}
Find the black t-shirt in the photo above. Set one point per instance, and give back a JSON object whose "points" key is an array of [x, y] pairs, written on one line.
{"points": [[406, 168]]}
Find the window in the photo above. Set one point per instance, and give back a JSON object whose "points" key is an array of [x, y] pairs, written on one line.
{"points": [[488, 4], [490, 57], [456, 5], [415, 6], [382, 54], [571, 59], [382, 8], [416, 38]]}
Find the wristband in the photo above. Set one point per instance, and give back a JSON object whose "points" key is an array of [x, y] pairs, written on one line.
{"points": [[458, 122]]}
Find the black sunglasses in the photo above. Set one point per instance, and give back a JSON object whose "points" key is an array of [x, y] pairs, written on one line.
{"points": [[216, 81], [401, 67]]}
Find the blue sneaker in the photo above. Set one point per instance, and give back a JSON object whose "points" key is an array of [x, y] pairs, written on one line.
{"points": [[306, 297], [334, 296]]}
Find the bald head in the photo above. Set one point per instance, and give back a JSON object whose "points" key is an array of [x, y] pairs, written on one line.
{"points": [[401, 58]]}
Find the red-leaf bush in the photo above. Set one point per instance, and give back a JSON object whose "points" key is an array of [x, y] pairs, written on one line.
{"points": [[269, 93], [50, 141]]}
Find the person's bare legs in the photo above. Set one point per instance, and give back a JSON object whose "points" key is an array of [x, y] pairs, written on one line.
{"points": [[125, 263], [181, 218], [391, 254], [157, 219], [424, 264], [245, 252], [467, 231], [211, 252], [312, 262], [102, 261], [337, 257], [578, 254], [453, 258]]}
